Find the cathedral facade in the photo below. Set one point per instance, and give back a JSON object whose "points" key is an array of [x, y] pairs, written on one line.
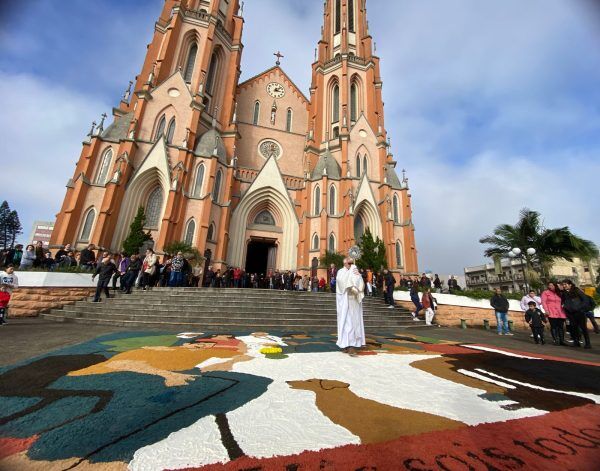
{"points": [[254, 174]]}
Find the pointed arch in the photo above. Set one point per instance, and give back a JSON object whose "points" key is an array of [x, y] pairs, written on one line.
{"points": [[190, 62], [212, 72], [171, 131], [288, 120], [256, 115], [396, 209], [104, 167], [335, 103], [154, 206], [365, 167], [399, 262], [210, 234], [358, 165], [353, 102], [332, 200], [317, 200], [190, 232], [217, 188], [332, 246], [88, 225], [160, 128], [198, 181], [315, 241]]}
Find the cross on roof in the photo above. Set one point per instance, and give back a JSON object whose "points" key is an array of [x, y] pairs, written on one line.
{"points": [[279, 55]]}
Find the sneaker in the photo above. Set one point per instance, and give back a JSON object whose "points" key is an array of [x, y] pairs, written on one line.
{"points": [[509, 333], [500, 333], [390, 307], [416, 319]]}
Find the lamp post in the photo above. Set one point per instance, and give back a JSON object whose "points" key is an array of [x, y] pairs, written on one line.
{"points": [[516, 252]]}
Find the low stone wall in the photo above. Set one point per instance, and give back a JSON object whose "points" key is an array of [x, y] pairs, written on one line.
{"points": [[450, 316], [30, 302]]}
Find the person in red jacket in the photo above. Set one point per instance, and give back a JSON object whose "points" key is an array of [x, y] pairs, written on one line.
{"points": [[322, 284], [4, 300], [429, 305]]}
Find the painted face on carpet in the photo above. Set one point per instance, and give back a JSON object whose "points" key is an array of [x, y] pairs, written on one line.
{"points": [[144, 401]]}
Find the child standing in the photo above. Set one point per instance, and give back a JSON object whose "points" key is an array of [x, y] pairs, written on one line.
{"points": [[8, 282], [536, 320], [4, 300]]}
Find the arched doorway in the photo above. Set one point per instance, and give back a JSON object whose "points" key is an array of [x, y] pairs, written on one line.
{"points": [[261, 256]]}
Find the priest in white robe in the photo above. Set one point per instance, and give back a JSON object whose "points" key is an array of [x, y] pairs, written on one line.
{"points": [[350, 292]]}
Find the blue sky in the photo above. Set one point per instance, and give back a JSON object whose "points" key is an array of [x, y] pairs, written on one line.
{"points": [[491, 106]]}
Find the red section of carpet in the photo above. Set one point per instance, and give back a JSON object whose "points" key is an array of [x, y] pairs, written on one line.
{"points": [[12, 446], [565, 440], [539, 355]]}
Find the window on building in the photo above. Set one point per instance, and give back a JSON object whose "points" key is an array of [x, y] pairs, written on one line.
{"points": [[256, 113], [332, 247], [351, 15], [353, 102], [335, 104], [190, 63], [104, 167], [265, 218], [210, 235], [358, 165], [396, 208], [171, 131], [315, 242], [217, 188], [317, 195], [190, 231], [398, 254], [338, 16], [365, 168], [332, 200], [212, 72], [198, 181], [160, 130], [88, 223], [288, 122], [154, 207]]}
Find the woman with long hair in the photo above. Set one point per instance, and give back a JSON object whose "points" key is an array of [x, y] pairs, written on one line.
{"points": [[576, 304], [552, 304], [28, 259]]}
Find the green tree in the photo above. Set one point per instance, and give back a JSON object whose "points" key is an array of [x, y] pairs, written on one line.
{"points": [[331, 257], [15, 229], [373, 252], [136, 238], [4, 223], [550, 244]]}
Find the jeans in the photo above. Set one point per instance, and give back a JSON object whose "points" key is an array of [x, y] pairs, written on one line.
{"points": [[389, 294], [102, 286], [236, 282], [538, 334], [128, 279], [418, 305], [502, 321], [176, 279]]}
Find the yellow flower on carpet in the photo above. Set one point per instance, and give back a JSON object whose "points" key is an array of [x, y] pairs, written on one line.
{"points": [[270, 350]]}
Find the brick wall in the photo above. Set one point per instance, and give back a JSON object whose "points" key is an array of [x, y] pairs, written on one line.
{"points": [[450, 316], [30, 302]]}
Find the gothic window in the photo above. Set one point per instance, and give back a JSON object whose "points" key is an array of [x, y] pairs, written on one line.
{"points": [[104, 167], [160, 130], [315, 242], [338, 16], [396, 210], [332, 200], [335, 104], [190, 230], [317, 200], [212, 71], [154, 207], [198, 181], [398, 254], [332, 242], [288, 123], [365, 168], [171, 131], [256, 113], [190, 63], [351, 15], [359, 228], [217, 188], [358, 166], [210, 235], [88, 223], [269, 148], [353, 102], [265, 218]]}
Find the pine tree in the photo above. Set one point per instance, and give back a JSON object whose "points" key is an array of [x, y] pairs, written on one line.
{"points": [[4, 222], [373, 252], [15, 229], [136, 238]]}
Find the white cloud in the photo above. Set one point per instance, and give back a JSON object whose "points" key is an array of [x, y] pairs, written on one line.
{"points": [[41, 128]]}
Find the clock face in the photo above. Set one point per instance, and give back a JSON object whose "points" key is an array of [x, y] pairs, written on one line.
{"points": [[276, 90]]}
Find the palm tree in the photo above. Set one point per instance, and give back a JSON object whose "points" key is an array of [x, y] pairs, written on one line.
{"points": [[549, 244]]}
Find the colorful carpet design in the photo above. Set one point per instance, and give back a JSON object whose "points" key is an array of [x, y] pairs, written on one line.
{"points": [[284, 401]]}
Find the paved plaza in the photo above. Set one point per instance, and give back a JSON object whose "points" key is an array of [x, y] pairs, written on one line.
{"points": [[90, 397]]}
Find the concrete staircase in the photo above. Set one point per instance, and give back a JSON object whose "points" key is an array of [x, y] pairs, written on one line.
{"points": [[227, 310]]}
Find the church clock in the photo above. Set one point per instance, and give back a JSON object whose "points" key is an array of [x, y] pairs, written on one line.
{"points": [[276, 90]]}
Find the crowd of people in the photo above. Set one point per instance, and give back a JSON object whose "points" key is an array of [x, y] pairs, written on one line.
{"points": [[562, 305], [36, 256]]}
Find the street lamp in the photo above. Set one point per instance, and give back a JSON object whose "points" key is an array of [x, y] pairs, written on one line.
{"points": [[516, 252]]}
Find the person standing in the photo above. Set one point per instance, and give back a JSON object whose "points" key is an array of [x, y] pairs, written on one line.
{"points": [[350, 289], [552, 305], [369, 282], [176, 275], [133, 270], [149, 269], [428, 303], [40, 255], [28, 258], [437, 284], [576, 304], [389, 281], [500, 304], [531, 296], [414, 297], [8, 282], [105, 270], [237, 276], [87, 258], [536, 320], [121, 271]]}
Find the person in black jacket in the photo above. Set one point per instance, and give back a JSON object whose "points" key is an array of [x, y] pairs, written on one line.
{"points": [[132, 273], [105, 270], [389, 281], [536, 320], [576, 304], [500, 305]]}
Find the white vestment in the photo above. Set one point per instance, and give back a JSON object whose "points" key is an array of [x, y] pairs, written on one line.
{"points": [[350, 289]]}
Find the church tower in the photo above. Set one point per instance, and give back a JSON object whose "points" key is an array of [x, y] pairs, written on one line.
{"points": [[353, 183]]}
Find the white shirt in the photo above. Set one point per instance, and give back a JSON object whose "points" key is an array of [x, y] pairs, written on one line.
{"points": [[10, 282]]}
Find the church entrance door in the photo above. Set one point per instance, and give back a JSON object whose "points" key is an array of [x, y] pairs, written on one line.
{"points": [[261, 256]]}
